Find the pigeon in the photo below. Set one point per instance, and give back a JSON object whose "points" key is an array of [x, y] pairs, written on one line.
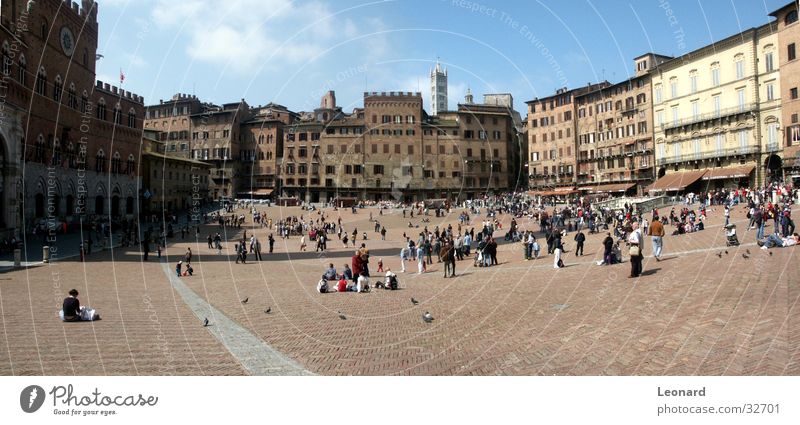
{"points": [[427, 318], [342, 316], [745, 256], [747, 251], [726, 252], [244, 301], [413, 301], [205, 322], [268, 310], [770, 253], [719, 254]]}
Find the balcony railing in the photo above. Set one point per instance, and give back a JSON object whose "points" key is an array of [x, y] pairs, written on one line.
{"points": [[717, 153], [722, 113]]}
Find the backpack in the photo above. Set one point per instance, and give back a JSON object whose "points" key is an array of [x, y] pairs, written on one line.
{"points": [[322, 286]]}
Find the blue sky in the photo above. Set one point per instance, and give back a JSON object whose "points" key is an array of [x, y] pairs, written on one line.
{"points": [[290, 52]]}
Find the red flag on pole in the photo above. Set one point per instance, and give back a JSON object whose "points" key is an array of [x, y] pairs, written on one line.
{"points": [[121, 76]]}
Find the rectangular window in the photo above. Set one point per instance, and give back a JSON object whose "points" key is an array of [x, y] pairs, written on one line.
{"points": [[770, 91], [715, 77], [739, 69], [793, 93], [772, 137], [740, 95], [743, 139], [411, 149], [675, 115], [695, 110], [658, 94], [768, 60], [715, 103], [791, 52], [693, 83], [673, 89]]}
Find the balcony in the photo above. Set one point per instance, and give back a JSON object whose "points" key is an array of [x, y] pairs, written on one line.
{"points": [[722, 113], [717, 153]]}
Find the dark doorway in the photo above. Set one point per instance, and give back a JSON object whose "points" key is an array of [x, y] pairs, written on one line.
{"points": [[99, 204]]}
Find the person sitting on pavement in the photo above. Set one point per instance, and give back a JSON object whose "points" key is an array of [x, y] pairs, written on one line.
{"points": [[774, 240], [347, 273], [330, 273], [362, 284], [71, 310]]}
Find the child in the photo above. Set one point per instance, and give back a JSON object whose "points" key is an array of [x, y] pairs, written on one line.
{"points": [[189, 270], [535, 250], [380, 265], [178, 268]]}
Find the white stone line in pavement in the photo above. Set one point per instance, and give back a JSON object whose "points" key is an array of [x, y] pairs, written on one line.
{"points": [[258, 357]]}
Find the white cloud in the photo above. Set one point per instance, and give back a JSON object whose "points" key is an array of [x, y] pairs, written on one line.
{"points": [[243, 35]]}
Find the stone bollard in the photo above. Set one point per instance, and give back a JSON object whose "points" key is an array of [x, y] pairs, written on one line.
{"points": [[45, 254], [17, 257]]}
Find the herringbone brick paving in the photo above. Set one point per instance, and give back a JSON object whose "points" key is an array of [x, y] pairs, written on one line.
{"points": [[690, 314]]}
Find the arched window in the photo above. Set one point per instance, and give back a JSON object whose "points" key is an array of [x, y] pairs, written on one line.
{"points": [[6, 60], [72, 101], [100, 161], [41, 82], [71, 160], [22, 70], [116, 163], [55, 160], [260, 139], [130, 168], [791, 17], [39, 149], [132, 118], [58, 87], [101, 109], [84, 102], [117, 114]]}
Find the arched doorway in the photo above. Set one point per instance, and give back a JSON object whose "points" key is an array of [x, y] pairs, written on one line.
{"points": [[70, 205], [773, 166], [54, 209], [39, 208], [114, 206], [99, 203]]}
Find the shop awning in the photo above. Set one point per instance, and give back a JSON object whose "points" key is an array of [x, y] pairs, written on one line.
{"points": [[608, 188], [741, 171], [676, 181], [262, 192], [556, 192]]}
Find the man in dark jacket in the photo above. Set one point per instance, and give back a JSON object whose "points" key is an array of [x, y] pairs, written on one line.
{"points": [[580, 238], [608, 249]]}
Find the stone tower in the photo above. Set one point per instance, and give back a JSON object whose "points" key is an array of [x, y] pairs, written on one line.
{"points": [[438, 89]]}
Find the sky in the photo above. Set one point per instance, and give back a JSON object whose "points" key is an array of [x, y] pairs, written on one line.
{"points": [[292, 52]]}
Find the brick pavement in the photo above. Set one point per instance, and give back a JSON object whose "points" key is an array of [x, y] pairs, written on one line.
{"points": [[691, 314]]}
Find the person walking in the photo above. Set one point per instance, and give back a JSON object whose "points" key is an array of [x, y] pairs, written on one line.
{"points": [[271, 241], [656, 232], [635, 244], [580, 238]]}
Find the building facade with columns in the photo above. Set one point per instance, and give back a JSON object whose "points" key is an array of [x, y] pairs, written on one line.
{"points": [[717, 114], [70, 144]]}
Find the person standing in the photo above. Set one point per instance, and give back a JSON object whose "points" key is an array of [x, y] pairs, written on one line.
{"points": [[580, 238], [271, 241], [188, 256], [656, 232], [635, 243], [608, 250]]}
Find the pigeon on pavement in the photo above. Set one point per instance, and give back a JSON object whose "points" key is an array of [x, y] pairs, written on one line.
{"points": [[427, 318], [413, 301], [268, 310], [244, 301], [342, 316], [205, 322]]}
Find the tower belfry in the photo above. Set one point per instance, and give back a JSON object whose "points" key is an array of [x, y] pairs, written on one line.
{"points": [[438, 89]]}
